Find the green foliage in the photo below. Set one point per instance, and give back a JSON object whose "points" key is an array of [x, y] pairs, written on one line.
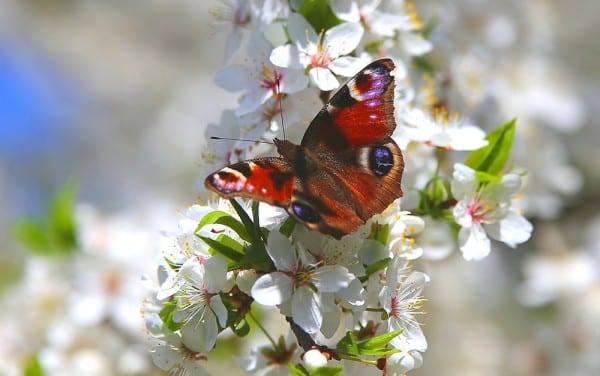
{"points": [[55, 233], [33, 367], [491, 159], [319, 14], [166, 315], [371, 347], [433, 197], [299, 370], [375, 267]]}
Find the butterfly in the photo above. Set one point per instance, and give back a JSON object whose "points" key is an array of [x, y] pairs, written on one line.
{"points": [[346, 169]]}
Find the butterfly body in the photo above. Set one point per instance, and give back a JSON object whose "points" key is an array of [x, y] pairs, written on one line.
{"points": [[346, 169]]}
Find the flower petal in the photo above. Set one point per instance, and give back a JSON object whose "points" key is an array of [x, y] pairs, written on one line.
{"points": [[234, 78], [272, 289], [332, 278], [301, 32], [342, 39], [347, 66], [513, 229], [281, 251], [306, 310], [286, 56], [474, 242], [323, 78]]}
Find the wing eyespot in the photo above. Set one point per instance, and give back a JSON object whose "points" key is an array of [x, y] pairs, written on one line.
{"points": [[305, 213]]}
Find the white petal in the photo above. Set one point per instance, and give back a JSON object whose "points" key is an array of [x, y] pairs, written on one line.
{"points": [[323, 78], [219, 310], [165, 357], [342, 39], [200, 336], [473, 242], [215, 275], [513, 229], [286, 56], [292, 81], [252, 100], [272, 289], [281, 251], [301, 32], [385, 23], [234, 78], [234, 40], [354, 295], [346, 10], [306, 310], [467, 137], [464, 185], [347, 66], [332, 278], [415, 44]]}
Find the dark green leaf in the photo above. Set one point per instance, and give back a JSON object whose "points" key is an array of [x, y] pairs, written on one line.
{"points": [[492, 158], [288, 227], [241, 329], [378, 352], [166, 315], [172, 264], [257, 258], [319, 14], [255, 236], [226, 246]]}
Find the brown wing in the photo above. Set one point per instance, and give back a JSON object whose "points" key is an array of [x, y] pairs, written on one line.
{"points": [[348, 188]]}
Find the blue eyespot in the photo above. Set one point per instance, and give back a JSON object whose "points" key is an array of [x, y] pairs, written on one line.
{"points": [[381, 160], [305, 212]]}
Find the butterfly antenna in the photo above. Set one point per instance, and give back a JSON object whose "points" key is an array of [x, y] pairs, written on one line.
{"points": [[238, 139], [280, 106]]}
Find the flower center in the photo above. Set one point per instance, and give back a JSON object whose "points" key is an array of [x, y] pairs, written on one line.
{"points": [[320, 59], [477, 211], [270, 79]]}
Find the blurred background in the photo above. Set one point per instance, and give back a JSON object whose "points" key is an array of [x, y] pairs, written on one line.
{"points": [[115, 95]]}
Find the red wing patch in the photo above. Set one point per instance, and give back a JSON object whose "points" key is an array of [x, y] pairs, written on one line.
{"points": [[360, 113], [266, 179]]}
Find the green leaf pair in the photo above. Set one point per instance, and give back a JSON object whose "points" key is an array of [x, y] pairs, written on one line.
{"points": [[489, 161]]}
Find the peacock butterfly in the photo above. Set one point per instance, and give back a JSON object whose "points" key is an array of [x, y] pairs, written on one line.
{"points": [[346, 169]]}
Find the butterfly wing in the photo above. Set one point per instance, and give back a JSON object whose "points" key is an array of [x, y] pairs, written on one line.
{"points": [[265, 179], [360, 113], [358, 166]]}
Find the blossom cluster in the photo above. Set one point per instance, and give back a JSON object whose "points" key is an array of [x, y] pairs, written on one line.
{"points": [[351, 304]]}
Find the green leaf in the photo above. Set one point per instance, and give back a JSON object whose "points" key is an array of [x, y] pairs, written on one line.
{"points": [[297, 370], [484, 177], [33, 367], [379, 341], [376, 266], [257, 258], [422, 64], [172, 264], [226, 246], [347, 345], [241, 329], [319, 14], [288, 227], [253, 231], [166, 315], [327, 371], [55, 233], [225, 219], [492, 158]]}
